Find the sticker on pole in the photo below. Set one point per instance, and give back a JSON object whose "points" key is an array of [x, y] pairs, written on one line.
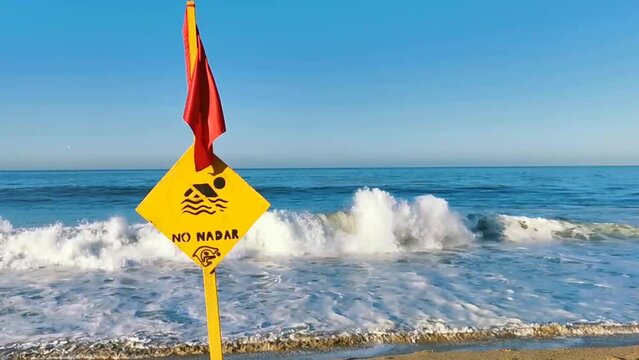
{"points": [[204, 213]]}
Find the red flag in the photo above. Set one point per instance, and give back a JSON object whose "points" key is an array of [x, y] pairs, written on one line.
{"points": [[203, 109]]}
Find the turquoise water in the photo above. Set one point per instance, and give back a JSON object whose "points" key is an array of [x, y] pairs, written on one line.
{"points": [[602, 194], [412, 252]]}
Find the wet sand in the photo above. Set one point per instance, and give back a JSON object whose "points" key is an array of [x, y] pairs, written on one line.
{"points": [[562, 348], [600, 353]]}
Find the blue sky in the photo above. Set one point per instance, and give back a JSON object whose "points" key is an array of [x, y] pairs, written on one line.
{"points": [[101, 84]]}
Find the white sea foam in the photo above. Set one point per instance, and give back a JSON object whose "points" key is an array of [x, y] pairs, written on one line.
{"points": [[376, 223], [283, 300], [529, 229], [5, 226], [106, 245], [136, 348]]}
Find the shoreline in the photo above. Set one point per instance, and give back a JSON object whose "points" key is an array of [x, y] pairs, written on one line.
{"points": [[598, 353], [557, 348]]}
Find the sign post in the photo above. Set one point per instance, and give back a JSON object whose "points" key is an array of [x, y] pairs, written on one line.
{"points": [[203, 210], [212, 315], [204, 213]]}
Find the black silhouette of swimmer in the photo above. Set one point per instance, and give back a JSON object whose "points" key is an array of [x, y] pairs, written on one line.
{"points": [[206, 189]]}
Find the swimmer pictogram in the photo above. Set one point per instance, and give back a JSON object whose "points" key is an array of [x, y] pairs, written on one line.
{"points": [[204, 198]]}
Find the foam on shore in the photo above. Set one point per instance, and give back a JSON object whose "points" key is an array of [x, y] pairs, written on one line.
{"points": [[132, 348]]}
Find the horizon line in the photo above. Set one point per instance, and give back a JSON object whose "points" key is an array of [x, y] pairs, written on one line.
{"points": [[343, 167]]}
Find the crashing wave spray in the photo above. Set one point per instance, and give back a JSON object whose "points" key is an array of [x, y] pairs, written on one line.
{"points": [[529, 229], [376, 223], [106, 245]]}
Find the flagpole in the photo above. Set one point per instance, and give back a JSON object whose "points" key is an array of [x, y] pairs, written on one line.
{"points": [[192, 30], [209, 278], [212, 315]]}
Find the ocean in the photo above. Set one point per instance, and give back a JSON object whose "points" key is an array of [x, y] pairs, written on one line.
{"points": [[344, 258]]}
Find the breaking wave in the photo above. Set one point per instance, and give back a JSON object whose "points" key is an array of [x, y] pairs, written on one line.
{"points": [[527, 229], [375, 223], [135, 348]]}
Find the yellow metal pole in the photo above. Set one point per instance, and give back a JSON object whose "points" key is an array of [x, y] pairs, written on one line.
{"points": [[210, 280], [192, 29], [212, 315]]}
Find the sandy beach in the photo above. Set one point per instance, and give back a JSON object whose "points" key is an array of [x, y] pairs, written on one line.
{"points": [[605, 353]]}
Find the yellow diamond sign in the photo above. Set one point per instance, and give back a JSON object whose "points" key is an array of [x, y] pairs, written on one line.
{"points": [[204, 213]]}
